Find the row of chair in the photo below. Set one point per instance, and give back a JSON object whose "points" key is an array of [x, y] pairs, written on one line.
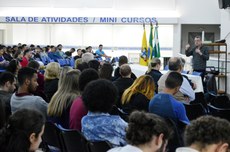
{"points": [[58, 139]]}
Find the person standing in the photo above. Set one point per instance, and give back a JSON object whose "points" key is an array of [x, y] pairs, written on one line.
{"points": [[200, 56]]}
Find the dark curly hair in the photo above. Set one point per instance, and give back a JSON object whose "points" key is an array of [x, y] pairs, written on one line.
{"points": [[87, 76], [143, 126], [99, 96], [207, 130]]}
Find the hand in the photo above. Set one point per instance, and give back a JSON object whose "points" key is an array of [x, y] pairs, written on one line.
{"points": [[187, 47], [198, 51]]}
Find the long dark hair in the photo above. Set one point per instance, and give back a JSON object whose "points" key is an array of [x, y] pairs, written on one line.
{"points": [[15, 135]]}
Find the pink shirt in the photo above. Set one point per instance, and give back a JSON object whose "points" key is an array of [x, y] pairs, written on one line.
{"points": [[77, 111]]}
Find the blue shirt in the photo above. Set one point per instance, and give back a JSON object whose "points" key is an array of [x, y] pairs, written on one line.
{"points": [[167, 106], [100, 53], [104, 127], [54, 56]]}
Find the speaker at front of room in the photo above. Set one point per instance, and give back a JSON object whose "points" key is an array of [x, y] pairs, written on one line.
{"points": [[224, 4]]}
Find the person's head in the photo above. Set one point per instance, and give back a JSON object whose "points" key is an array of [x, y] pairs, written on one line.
{"points": [[23, 131], [7, 82], [99, 96], [79, 53], [34, 64], [100, 47], [72, 50], [27, 79], [13, 66], [52, 71], [27, 53], [94, 64], [144, 85], [122, 60], [197, 41], [63, 72], [18, 54], [175, 64], [154, 64], [65, 95], [59, 47], [174, 82], [15, 47], [125, 71], [87, 76], [53, 48], [106, 71], [147, 130], [89, 48], [86, 57], [82, 66], [208, 133]]}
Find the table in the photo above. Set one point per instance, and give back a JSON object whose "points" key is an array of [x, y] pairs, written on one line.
{"points": [[139, 70]]}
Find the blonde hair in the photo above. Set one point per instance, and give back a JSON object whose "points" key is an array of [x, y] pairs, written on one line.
{"points": [[63, 72], [154, 62], [66, 93], [144, 85], [77, 62], [52, 71]]}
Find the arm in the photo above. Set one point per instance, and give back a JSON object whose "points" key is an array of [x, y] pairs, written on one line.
{"points": [[204, 53], [181, 113], [188, 51]]}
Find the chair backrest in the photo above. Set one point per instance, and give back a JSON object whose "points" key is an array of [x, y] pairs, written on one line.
{"points": [[51, 136], [219, 112], [73, 141], [176, 140], [100, 146], [211, 83], [220, 101], [194, 111]]}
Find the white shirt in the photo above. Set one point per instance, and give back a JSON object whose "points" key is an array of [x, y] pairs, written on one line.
{"points": [[127, 148], [185, 149], [186, 89]]}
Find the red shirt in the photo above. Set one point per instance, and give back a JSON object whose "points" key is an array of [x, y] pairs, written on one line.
{"points": [[24, 62]]}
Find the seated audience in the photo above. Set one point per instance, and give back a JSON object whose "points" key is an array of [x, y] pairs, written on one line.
{"points": [[82, 66], [18, 55], [60, 52], [100, 53], [86, 57], [53, 54], [165, 105], [3, 62], [207, 134], [124, 82], [106, 71], [41, 80], [94, 64], [23, 98], [70, 52], [145, 133], [79, 54], [186, 93], [63, 73], [13, 67], [154, 71], [26, 58], [52, 73], [8, 54], [78, 110], [23, 132], [138, 95], [7, 87], [122, 60], [98, 125], [59, 106]]}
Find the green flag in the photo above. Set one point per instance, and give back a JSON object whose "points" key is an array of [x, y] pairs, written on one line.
{"points": [[156, 49]]}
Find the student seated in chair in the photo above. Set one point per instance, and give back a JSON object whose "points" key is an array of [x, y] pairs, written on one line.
{"points": [[207, 134], [145, 133]]}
